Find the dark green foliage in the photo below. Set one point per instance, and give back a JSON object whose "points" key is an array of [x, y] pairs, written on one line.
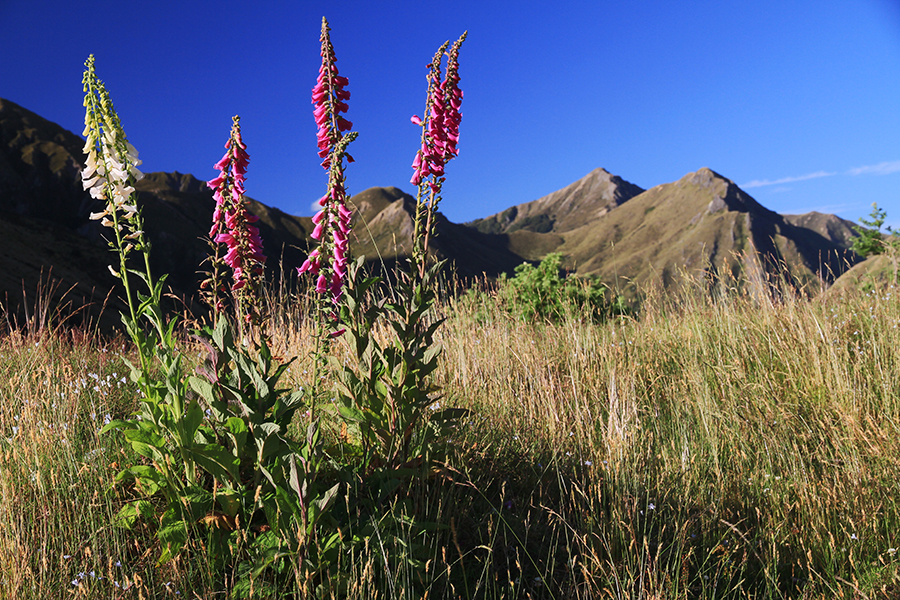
{"points": [[546, 292], [389, 394], [871, 241], [388, 399], [218, 463]]}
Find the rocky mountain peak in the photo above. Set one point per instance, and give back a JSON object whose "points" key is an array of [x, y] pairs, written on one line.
{"points": [[726, 195], [591, 197]]}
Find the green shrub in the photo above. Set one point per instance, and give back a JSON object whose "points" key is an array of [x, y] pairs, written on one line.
{"points": [[547, 292], [871, 240]]}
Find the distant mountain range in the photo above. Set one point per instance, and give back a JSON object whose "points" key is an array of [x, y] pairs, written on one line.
{"points": [[702, 224]]}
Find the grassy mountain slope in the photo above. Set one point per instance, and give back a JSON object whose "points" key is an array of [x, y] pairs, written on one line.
{"points": [[605, 226], [578, 203], [383, 228], [877, 272], [702, 223]]}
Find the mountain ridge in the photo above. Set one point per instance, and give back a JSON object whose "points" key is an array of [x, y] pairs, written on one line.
{"points": [[604, 225], [596, 193]]}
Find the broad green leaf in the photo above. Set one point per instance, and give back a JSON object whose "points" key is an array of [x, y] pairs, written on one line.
{"points": [[217, 461], [193, 416], [197, 502], [117, 424], [294, 478], [432, 352], [268, 428], [127, 515], [324, 502], [262, 388], [230, 500], [351, 413], [172, 535], [204, 388], [237, 428], [146, 444]]}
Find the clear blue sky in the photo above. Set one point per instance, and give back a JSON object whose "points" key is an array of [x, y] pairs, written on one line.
{"points": [[797, 101]]}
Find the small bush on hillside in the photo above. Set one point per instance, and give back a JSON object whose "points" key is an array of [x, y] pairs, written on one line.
{"points": [[547, 292], [871, 241]]}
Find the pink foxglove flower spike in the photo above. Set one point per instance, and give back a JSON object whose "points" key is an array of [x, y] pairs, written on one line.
{"points": [[233, 224], [332, 222], [440, 139]]}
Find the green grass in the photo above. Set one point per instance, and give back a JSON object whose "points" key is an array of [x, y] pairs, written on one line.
{"points": [[704, 449]]}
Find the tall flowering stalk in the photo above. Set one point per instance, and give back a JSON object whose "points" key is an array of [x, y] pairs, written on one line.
{"points": [[233, 227], [440, 139], [109, 174], [332, 223]]}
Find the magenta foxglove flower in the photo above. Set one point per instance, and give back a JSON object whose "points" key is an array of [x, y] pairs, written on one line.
{"points": [[232, 222], [330, 99], [440, 139], [332, 222], [440, 136]]}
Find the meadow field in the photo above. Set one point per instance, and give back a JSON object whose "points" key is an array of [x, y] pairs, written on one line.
{"points": [[350, 434], [722, 447]]}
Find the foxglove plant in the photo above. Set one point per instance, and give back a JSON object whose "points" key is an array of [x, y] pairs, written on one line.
{"points": [[386, 394], [332, 223], [233, 226], [213, 446], [440, 139], [163, 431]]}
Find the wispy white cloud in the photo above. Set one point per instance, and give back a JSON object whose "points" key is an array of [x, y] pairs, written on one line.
{"points": [[885, 168], [763, 182]]}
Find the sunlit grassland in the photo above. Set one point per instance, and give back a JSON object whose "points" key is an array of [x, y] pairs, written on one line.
{"points": [[721, 448]]}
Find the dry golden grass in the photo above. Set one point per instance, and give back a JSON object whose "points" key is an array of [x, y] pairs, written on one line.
{"points": [[723, 448]]}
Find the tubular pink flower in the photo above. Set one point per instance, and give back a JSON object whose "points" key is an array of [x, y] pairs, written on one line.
{"points": [[329, 96], [332, 222], [440, 137], [232, 222], [321, 284]]}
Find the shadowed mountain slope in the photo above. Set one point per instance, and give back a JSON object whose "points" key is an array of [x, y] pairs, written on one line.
{"points": [[44, 221], [383, 228], [40, 166], [43, 209], [178, 209], [702, 225]]}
